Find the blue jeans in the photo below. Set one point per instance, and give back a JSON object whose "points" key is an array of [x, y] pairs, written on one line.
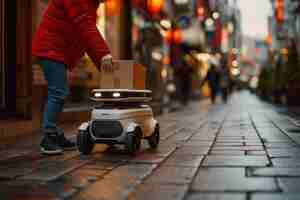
{"points": [[56, 75]]}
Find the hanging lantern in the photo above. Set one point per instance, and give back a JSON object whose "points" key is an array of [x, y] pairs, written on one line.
{"points": [[269, 39], [177, 36], [174, 36], [169, 36], [113, 7], [167, 60], [280, 9], [154, 6]]}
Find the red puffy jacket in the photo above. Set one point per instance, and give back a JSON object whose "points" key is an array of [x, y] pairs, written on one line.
{"points": [[68, 29]]}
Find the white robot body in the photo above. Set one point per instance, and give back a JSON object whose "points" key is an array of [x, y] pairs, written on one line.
{"points": [[121, 118]]}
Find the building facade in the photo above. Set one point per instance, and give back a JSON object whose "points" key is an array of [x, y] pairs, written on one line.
{"points": [[20, 74], [285, 49]]}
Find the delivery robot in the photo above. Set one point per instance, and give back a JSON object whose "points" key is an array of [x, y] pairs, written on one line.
{"points": [[122, 117]]}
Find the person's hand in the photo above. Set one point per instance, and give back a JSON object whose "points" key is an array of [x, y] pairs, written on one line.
{"points": [[107, 64]]}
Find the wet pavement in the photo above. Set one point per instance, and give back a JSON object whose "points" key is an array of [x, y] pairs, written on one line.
{"points": [[243, 150]]}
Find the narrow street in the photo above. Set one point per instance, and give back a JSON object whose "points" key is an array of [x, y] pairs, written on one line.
{"points": [[243, 150]]}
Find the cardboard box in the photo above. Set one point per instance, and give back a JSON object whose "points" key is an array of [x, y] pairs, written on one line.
{"points": [[127, 75]]}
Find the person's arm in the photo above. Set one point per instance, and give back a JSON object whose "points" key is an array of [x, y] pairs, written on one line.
{"points": [[84, 19]]}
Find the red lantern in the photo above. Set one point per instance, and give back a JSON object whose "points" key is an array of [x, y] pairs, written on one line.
{"points": [[269, 39], [201, 12], [174, 36], [167, 60], [113, 7], [169, 36], [280, 9], [154, 6], [177, 36]]}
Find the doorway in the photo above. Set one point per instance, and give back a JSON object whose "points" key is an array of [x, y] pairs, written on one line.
{"points": [[7, 58]]}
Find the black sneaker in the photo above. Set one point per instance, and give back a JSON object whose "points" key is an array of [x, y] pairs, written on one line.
{"points": [[50, 146], [64, 143]]}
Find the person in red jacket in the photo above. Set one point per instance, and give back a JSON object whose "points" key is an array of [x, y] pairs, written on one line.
{"points": [[67, 30]]}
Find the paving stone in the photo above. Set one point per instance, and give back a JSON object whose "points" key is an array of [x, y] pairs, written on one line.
{"points": [[158, 191], [274, 132], [256, 153], [265, 124], [60, 158], [203, 138], [222, 144], [206, 133], [180, 160], [190, 150], [250, 143], [215, 196], [286, 162], [276, 172], [198, 143], [12, 171], [181, 136], [228, 140], [232, 137], [99, 179], [280, 145], [295, 138], [17, 154], [25, 191], [289, 184], [227, 152], [276, 196], [81, 177], [110, 157], [62, 187], [171, 144], [102, 165], [147, 158], [54, 170], [253, 136], [224, 160], [118, 184], [230, 180], [144, 156], [292, 152], [22, 160], [168, 134], [240, 148], [172, 175], [131, 171], [276, 140]]}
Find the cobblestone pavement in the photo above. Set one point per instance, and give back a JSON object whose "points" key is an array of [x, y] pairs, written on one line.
{"points": [[242, 150]]}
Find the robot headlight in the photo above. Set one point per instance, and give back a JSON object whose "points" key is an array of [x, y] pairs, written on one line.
{"points": [[97, 94], [116, 94]]}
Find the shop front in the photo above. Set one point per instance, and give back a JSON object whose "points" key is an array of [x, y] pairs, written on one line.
{"points": [[85, 76]]}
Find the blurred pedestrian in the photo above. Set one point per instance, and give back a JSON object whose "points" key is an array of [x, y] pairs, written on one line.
{"points": [[224, 80], [67, 30], [185, 75], [213, 79]]}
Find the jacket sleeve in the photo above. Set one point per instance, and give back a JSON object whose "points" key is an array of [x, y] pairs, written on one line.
{"points": [[83, 15]]}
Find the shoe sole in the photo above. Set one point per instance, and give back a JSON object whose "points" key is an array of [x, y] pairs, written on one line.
{"points": [[56, 152]]}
